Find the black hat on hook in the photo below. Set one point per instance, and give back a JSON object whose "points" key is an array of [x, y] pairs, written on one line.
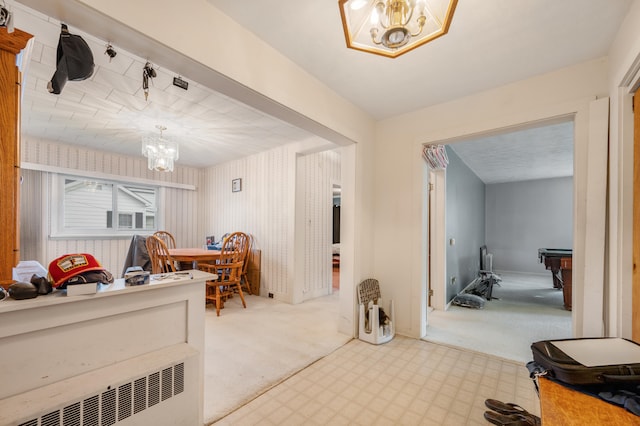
{"points": [[74, 61]]}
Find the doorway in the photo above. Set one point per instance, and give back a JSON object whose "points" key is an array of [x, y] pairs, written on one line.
{"points": [[495, 188], [335, 246]]}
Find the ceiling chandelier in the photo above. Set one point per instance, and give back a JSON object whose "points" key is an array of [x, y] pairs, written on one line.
{"points": [[394, 27], [160, 151]]}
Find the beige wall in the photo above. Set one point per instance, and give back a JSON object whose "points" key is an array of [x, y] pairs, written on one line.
{"points": [[624, 59]]}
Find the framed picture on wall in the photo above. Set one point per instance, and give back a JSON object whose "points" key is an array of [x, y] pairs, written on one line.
{"points": [[236, 185]]}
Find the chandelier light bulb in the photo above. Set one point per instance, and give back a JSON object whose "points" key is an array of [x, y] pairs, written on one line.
{"points": [[161, 164], [376, 13]]}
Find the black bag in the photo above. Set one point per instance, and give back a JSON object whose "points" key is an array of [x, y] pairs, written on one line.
{"points": [[562, 367], [21, 291]]}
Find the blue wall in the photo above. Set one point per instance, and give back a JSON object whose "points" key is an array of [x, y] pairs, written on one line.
{"points": [[525, 216], [465, 223]]}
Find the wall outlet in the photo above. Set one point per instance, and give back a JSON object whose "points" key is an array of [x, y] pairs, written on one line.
{"points": [[270, 295], [453, 280]]}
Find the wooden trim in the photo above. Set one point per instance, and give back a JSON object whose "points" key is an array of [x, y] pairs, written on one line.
{"points": [[13, 42], [636, 219], [10, 80]]}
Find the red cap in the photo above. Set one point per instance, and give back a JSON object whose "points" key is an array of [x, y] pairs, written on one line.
{"points": [[70, 265]]}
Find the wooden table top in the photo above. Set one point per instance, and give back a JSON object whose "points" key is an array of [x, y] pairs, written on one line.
{"points": [[562, 406], [193, 254]]}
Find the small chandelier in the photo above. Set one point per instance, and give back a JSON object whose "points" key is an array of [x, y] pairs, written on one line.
{"points": [[160, 151], [394, 27]]}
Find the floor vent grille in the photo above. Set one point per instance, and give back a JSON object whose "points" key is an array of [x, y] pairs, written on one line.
{"points": [[117, 403]]}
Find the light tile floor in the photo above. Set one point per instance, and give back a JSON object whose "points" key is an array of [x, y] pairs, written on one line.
{"points": [[403, 382]]}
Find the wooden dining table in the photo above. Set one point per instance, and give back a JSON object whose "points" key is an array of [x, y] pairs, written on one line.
{"points": [[194, 255]]}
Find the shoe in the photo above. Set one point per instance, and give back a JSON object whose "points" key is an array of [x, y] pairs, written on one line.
{"points": [[509, 408], [509, 419]]}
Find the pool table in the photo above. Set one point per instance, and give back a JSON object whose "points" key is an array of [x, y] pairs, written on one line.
{"points": [[559, 261]]}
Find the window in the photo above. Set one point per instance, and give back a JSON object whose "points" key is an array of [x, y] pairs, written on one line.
{"points": [[102, 208]]}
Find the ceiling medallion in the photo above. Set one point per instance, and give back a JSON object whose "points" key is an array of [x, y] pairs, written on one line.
{"points": [[393, 27]]}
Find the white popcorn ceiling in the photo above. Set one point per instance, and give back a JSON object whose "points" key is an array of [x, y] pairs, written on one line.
{"points": [[534, 153]]}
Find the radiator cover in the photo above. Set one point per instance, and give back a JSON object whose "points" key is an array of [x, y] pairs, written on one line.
{"points": [[163, 391]]}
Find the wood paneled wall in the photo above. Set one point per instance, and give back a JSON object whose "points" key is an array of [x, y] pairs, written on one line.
{"points": [[320, 172], [262, 208], [178, 208], [265, 208]]}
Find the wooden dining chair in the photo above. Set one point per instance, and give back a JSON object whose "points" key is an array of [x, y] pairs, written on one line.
{"points": [[170, 242], [242, 242], [161, 260], [229, 271], [244, 280], [167, 238]]}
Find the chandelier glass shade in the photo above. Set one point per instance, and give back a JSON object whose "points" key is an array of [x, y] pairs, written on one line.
{"points": [[160, 151], [393, 27]]}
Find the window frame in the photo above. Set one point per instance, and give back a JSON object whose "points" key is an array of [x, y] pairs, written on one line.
{"points": [[57, 210]]}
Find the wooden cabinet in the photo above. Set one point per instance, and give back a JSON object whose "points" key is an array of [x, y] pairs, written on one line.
{"points": [[11, 44]]}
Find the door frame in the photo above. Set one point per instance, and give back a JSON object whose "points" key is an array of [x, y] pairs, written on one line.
{"points": [[579, 110], [635, 277]]}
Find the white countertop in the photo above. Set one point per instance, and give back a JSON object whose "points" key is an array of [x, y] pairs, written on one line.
{"points": [[116, 288]]}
